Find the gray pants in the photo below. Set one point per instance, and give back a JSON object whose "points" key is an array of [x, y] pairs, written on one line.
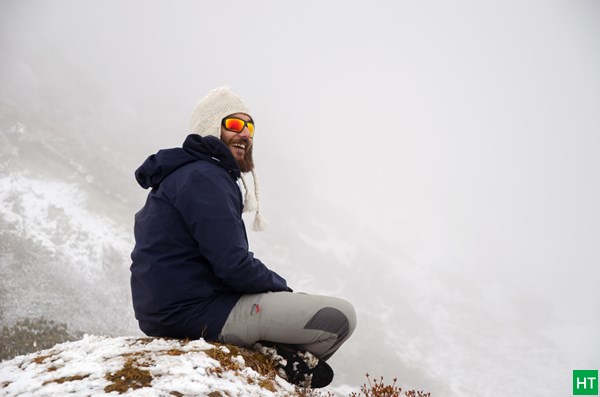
{"points": [[314, 323]]}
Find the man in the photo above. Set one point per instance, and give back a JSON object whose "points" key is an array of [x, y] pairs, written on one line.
{"points": [[192, 274]]}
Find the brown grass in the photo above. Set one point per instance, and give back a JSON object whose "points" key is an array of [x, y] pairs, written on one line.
{"points": [[142, 341], [131, 376], [255, 360], [252, 359], [267, 384], [40, 359], [175, 352], [66, 379]]}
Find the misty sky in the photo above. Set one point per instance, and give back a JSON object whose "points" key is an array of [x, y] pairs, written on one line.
{"points": [[465, 134]]}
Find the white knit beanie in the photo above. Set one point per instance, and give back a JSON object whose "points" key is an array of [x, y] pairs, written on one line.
{"points": [[206, 120]]}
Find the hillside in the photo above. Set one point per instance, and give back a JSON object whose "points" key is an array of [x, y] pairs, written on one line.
{"points": [[133, 366], [130, 366]]}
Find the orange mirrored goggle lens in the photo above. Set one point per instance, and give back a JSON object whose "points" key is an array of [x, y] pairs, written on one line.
{"points": [[237, 125]]}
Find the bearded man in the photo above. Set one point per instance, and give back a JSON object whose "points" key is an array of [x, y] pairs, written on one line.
{"points": [[192, 274]]}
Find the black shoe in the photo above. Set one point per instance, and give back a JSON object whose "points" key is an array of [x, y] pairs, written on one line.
{"points": [[302, 368]]}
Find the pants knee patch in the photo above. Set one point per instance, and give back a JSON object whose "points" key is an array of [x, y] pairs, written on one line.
{"points": [[331, 320]]}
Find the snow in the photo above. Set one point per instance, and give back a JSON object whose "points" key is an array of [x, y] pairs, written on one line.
{"points": [[53, 213], [176, 367], [79, 258]]}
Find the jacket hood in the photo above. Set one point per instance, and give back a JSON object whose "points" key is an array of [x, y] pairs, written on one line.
{"points": [[158, 166]]}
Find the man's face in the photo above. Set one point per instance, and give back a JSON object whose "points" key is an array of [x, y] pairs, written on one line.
{"points": [[240, 143]]}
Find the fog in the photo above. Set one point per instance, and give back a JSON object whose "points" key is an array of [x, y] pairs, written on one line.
{"points": [[435, 163]]}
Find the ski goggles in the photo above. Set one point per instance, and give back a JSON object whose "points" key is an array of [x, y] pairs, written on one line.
{"points": [[237, 125]]}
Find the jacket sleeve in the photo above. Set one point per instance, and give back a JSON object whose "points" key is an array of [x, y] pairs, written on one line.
{"points": [[210, 205]]}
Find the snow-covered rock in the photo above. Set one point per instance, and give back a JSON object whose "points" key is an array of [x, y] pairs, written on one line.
{"points": [[132, 366]]}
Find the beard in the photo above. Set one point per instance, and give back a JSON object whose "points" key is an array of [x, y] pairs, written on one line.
{"points": [[247, 163]]}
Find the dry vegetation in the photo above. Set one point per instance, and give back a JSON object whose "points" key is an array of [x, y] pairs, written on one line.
{"points": [[135, 374], [30, 335], [131, 376], [67, 379], [377, 388]]}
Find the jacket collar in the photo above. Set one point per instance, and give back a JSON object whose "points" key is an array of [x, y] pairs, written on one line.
{"points": [[158, 166], [211, 148]]}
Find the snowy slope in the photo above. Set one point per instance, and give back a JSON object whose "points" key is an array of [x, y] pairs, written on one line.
{"points": [[139, 367], [61, 256], [52, 242]]}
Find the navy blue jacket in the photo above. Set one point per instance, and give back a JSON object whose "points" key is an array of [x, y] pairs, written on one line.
{"points": [[191, 261]]}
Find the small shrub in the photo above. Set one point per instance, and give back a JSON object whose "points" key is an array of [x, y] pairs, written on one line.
{"points": [[377, 388]]}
